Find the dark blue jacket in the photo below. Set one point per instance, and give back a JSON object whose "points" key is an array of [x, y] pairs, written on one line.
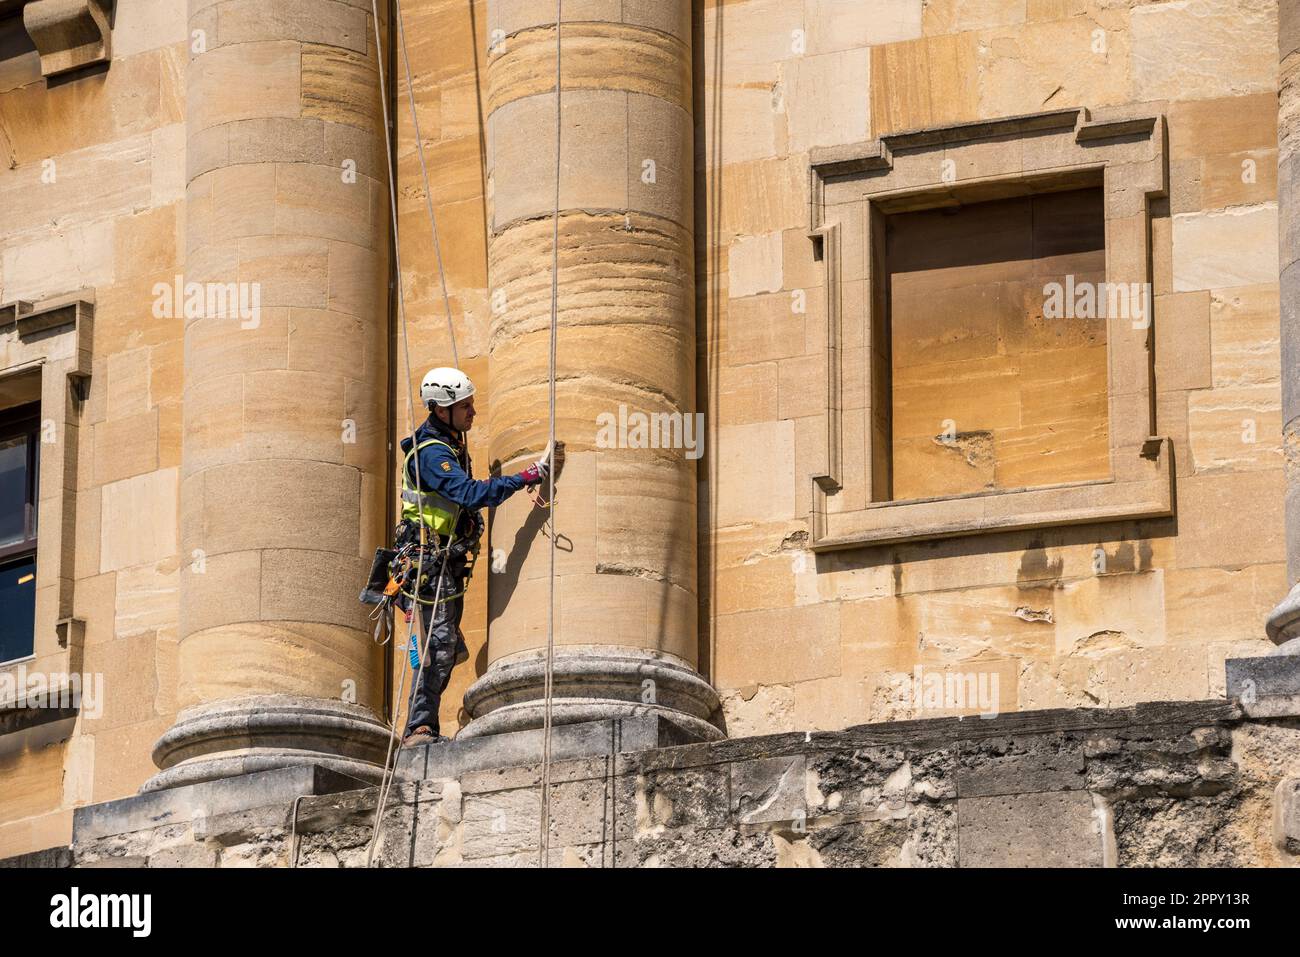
{"points": [[451, 476]]}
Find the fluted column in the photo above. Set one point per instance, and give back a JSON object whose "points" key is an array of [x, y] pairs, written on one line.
{"points": [[283, 459], [1284, 622], [625, 606]]}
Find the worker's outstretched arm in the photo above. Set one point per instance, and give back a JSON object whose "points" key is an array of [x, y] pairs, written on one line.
{"points": [[440, 472]]}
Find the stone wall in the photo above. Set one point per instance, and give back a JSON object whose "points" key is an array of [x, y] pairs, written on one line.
{"points": [[1101, 615], [92, 189], [1183, 784]]}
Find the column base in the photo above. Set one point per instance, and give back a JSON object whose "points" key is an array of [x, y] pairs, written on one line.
{"points": [[268, 732], [592, 683]]}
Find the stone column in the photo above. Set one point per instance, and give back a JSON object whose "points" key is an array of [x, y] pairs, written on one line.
{"points": [[283, 458], [626, 605], [1284, 622]]}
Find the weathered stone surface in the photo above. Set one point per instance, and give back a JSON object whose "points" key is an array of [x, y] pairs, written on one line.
{"points": [[1268, 684], [1183, 784], [1163, 832], [1047, 829], [997, 766], [1286, 816], [768, 790], [1177, 761]]}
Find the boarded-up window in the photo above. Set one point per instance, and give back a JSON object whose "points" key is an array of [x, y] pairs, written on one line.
{"points": [[986, 392]]}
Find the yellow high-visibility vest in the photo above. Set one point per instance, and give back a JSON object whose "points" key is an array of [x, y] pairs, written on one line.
{"points": [[436, 512]]}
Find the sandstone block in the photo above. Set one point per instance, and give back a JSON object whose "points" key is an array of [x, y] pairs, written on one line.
{"points": [[146, 599], [246, 81], [825, 104], [924, 82], [138, 521], [1209, 49], [744, 494], [1104, 614], [279, 425], [316, 201], [338, 86], [1235, 427], [754, 266], [334, 24], [755, 647], [765, 327], [1235, 247], [1049, 829], [836, 25], [958, 16], [1244, 335], [1067, 62], [1183, 340], [126, 446]]}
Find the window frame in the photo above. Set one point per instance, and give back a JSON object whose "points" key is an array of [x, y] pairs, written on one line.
{"points": [[852, 190], [25, 420]]}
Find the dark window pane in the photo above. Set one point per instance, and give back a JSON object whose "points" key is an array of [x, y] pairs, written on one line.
{"points": [[17, 608], [13, 490]]}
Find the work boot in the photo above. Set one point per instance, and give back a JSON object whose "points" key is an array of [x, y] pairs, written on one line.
{"points": [[421, 735]]}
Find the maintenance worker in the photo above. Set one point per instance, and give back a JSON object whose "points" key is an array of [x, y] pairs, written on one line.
{"points": [[448, 501]]}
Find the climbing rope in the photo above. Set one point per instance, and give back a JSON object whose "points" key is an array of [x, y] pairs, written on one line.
{"points": [[545, 841], [428, 193], [416, 631], [416, 623]]}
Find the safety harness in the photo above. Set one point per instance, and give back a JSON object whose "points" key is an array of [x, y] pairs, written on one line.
{"points": [[425, 538]]}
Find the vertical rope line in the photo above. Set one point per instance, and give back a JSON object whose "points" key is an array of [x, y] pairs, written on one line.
{"points": [[545, 842], [428, 193], [386, 782], [406, 348]]}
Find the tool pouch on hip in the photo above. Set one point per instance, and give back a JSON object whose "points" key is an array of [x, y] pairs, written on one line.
{"points": [[374, 592]]}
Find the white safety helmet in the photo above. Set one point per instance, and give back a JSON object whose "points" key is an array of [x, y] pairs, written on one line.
{"points": [[445, 386]]}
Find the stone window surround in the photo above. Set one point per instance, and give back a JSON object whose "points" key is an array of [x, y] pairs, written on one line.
{"points": [[50, 342], [1124, 151]]}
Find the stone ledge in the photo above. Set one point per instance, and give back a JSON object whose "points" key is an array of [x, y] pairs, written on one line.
{"points": [[450, 759], [1267, 686], [938, 732], [183, 804], [15, 717], [890, 523], [52, 857]]}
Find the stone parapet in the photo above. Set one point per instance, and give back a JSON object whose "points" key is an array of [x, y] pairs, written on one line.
{"points": [[1186, 784]]}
